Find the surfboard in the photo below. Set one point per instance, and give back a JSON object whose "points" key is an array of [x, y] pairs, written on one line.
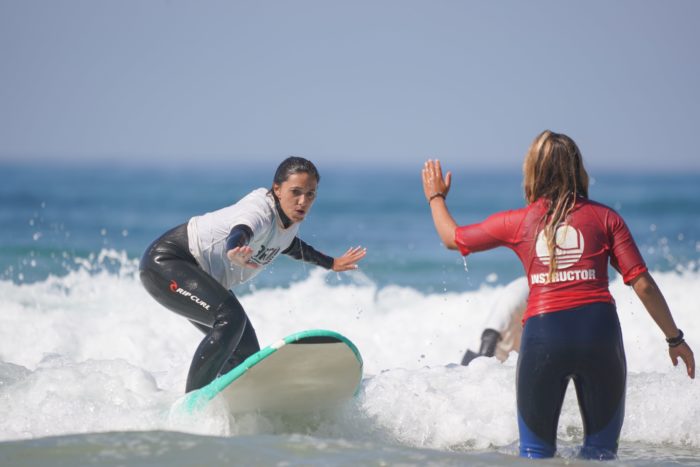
{"points": [[308, 370]]}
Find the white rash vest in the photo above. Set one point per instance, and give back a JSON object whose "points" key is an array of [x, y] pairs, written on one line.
{"points": [[207, 237]]}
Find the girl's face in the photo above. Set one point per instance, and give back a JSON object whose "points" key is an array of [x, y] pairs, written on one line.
{"points": [[296, 195]]}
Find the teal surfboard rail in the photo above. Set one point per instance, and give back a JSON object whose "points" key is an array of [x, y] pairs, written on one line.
{"points": [[195, 400]]}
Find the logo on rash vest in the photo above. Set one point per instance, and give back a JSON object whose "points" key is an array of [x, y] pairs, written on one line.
{"points": [[179, 290], [568, 250], [265, 255]]}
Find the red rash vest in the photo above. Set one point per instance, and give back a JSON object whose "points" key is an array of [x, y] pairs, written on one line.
{"points": [[592, 234]]}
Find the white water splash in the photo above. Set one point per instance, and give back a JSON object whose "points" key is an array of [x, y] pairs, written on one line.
{"points": [[92, 352]]}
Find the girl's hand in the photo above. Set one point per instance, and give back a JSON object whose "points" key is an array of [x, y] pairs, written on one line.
{"points": [[349, 259], [240, 256], [433, 181]]}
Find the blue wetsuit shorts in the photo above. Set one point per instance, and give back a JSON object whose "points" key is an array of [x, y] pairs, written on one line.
{"points": [[582, 344]]}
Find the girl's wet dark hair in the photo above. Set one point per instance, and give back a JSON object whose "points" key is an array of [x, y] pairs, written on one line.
{"points": [[293, 165]]}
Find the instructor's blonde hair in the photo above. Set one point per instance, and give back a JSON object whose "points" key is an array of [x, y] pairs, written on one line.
{"points": [[553, 169]]}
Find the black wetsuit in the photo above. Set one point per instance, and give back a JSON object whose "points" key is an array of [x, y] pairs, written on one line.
{"points": [[173, 277]]}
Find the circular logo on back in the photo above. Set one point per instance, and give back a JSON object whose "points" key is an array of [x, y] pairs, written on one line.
{"points": [[568, 250]]}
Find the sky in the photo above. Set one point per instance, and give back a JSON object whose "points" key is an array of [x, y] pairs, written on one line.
{"points": [[372, 83]]}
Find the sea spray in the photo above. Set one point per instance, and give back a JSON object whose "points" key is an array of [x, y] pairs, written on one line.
{"points": [[104, 356]]}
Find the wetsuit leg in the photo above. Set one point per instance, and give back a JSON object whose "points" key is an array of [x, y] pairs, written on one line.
{"points": [[247, 346], [172, 276], [540, 389], [583, 344], [600, 387], [201, 327]]}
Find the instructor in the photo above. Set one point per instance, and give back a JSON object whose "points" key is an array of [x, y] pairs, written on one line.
{"points": [[191, 268], [565, 242]]}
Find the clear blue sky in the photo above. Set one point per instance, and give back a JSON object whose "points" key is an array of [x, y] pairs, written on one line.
{"points": [[349, 82]]}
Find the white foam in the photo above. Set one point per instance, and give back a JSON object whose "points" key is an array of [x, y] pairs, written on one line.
{"points": [[91, 351]]}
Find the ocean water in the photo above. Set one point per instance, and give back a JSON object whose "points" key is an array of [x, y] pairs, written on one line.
{"points": [[91, 366]]}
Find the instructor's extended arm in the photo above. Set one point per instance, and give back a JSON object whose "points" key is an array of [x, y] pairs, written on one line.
{"points": [[653, 300], [435, 188]]}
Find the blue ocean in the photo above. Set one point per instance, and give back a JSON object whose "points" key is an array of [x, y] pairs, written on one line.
{"points": [[91, 365]]}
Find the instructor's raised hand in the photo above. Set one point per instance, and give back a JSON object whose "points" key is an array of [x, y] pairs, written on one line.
{"points": [[435, 188], [434, 185]]}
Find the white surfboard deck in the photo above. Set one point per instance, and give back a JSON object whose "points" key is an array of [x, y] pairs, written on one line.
{"points": [[309, 370]]}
